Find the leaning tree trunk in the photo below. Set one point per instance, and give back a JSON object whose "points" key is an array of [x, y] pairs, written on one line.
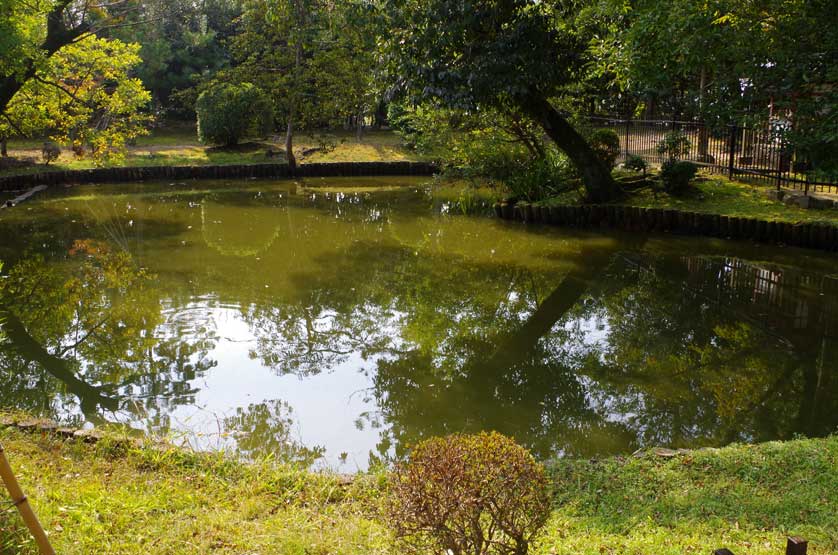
{"points": [[596, 175]]}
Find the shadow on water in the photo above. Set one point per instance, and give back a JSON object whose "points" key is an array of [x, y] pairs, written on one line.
{"points": [[574, 343]]}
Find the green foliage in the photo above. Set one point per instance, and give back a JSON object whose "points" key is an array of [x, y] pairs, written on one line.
{"points": [[636, 163], [509, 57], [488, 145], [541, 178], [315, 59], [606, 143], [124, 501], [85, 96], [674, 146], [469, 495], [676, 175], [183, 43], [227, 113]]}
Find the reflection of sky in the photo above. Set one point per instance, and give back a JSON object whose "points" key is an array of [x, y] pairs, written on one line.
{"points": [[325, 406]]}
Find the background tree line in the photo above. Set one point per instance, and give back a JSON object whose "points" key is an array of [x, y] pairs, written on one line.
{"points": [[486, 85]]}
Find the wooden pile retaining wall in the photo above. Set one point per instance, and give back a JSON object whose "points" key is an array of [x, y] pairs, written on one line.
{"points": [[632, 218], [243, 171]]}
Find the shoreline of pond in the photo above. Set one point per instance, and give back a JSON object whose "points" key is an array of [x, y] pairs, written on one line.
{"points": [[819, 236], [103, 491], [238, 171]]}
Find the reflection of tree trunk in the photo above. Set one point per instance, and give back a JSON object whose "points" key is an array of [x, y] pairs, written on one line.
{"points": [[815, 393], [514, 349], [27, 347]]}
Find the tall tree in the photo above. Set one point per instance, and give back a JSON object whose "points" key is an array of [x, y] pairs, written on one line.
{"points": [[314, 59], [54, 45], [508, 54]]}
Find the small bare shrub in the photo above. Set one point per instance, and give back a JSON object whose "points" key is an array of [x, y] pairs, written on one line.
{"points": [[50, 152], [469, 495]]}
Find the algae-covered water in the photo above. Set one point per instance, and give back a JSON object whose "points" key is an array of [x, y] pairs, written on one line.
{"points": [[345, 319]]}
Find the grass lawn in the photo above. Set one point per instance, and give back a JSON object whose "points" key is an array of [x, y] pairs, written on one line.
{"points": [[719, 195], [715, 194], [179, 146], [111, 499]]}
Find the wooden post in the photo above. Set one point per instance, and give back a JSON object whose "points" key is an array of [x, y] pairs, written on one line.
{"points": [[796, 546], [723, 552], [22, 503]]}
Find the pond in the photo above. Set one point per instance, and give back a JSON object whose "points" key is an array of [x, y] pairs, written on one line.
{"points": [[343, 320]]}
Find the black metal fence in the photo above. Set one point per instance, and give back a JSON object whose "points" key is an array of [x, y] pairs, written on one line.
{"points": [[759, 154]]}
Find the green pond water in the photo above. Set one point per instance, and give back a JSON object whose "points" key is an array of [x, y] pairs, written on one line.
{"points": [[344, 320]]}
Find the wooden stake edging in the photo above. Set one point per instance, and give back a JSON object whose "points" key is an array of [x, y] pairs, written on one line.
{"points": [[632, 218], [22, 503]]}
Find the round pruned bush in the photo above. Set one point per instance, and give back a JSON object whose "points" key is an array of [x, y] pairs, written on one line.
{"points": [[677, 175], [606, 143], [50, 151], [469, 495], [229, 112], [636, 163]]}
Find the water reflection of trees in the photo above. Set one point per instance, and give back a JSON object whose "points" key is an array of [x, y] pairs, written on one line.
{"points": [[621, 351], [267, 430], [571, 351], [82, 339]]}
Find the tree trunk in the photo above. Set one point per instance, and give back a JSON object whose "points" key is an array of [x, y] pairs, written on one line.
{"points": [[298, 60], [596, 175], [359, 123], [289, 144], [4, 147]]}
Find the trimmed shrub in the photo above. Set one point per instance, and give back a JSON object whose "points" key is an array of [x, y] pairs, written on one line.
{"points": [[676, 176], [50, 152], [636, 163], [606, 143], [469, 495], [227, 113], [674, 146]]}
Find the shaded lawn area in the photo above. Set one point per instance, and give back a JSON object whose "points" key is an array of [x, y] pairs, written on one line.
{"points": [[179, 146], [718, 195], [109, 499]]}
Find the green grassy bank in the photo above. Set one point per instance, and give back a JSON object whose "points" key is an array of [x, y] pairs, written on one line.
{"points": [[108, 498], [714, 194]]}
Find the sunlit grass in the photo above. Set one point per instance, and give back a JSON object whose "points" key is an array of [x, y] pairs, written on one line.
{"points": [[112, 499], [179, 146], [719, 195]]}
